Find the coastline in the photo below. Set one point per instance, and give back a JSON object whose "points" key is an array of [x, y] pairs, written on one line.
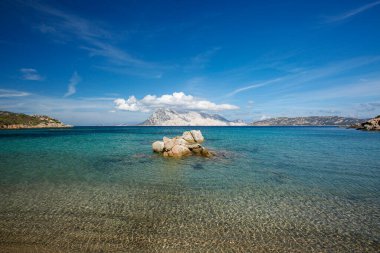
{"points": [[117, 126], [236, 126], [11, 120], [19, 127]]}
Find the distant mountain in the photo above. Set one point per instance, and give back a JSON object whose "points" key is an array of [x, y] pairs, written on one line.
{"points": [[168, 117], [308, 121], [10, 120]]}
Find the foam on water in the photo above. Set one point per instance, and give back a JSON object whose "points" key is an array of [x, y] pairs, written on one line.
{"points": [[269, 189]]}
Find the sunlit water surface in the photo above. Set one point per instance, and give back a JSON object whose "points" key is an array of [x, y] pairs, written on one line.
{"points": [[101, 189]]}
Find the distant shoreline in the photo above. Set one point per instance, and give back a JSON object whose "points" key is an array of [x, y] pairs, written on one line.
{"points": [[11, 120], [251, 126], [70, 126], [34, 127]]}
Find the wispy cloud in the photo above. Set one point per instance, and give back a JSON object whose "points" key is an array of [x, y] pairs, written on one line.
{"points": [[72, 89], [369, 107], [92, 38], [177, 100], [307, 75], [352, 13], [250, 104], [254, 86], [30, 74], [4, 93], [350, 90], [326, 100], [200, 60]]}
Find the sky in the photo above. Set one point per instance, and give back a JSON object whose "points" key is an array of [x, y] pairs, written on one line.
{"points": [[107, 63]]}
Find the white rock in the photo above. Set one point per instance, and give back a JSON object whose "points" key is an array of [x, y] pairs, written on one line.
{"points": [[168, 143], [179, 150], [187, 136], [197, 135], [193, 146], [158, 146], [187, 144], [180, 141]]}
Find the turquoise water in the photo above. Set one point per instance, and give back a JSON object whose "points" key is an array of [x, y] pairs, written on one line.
{"points": [[101, 189]]}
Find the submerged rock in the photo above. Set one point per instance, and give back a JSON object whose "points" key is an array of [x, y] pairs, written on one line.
{"points": [[187, 144], [206, 153]]}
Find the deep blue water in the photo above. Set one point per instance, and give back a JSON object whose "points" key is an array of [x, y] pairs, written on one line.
{"points": [[268, 189]]}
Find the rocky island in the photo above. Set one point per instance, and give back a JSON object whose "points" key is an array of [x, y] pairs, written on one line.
{"points": [[10, 120], [170, 117], [187, 144], [369, 125]]}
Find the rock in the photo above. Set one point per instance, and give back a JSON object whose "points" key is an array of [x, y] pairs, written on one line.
{"points": [[193, 136], [197, 135], [194, 146], [158, 146], [168, 143], [206, 153], [197, 151], [180, 150], [168, 153], [187, 136], [187, 144], [370, 125], [180, 141]]}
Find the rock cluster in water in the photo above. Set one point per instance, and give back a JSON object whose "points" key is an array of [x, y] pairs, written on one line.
{"points": [[187, 144]]}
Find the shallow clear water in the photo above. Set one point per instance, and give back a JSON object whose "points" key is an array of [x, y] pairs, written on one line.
{"points": [[101, 189]]}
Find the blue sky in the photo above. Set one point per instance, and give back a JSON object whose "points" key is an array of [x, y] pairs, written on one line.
{"points": [[98, 63]]}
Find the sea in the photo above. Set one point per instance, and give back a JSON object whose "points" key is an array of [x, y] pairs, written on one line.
{"points": [[268, 189]]}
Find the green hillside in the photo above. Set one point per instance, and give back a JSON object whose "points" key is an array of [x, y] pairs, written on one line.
{"points": [[24, 120]]}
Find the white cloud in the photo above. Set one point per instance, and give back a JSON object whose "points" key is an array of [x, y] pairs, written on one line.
{"points": [[178, 100], [74, 80], [30, 74], [131, 104], [12, 93]]}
